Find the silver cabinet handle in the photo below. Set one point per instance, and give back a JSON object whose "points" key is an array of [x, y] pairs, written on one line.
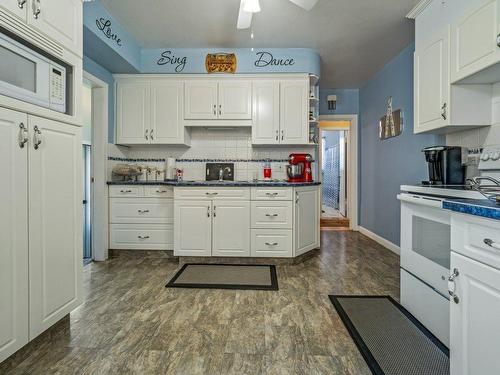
{"points": [[215, 213], [143, 237], [20, 3], [452, 286], [215, 110], [443, 111], [146, 135], [37, 140], [208, 211], [161, 191], [277, 135], [271, 194], [220, 109], [296, 197], [271, 243], [210, 194], [37, 9], [125, 191], [151, 134], [282, 135], [272, 215], [143, 211], [498, 40], [23, 135], [491, 243]]}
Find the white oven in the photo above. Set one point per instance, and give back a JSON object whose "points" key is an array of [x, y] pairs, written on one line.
{"points": [[425, 261], [27, 75]]}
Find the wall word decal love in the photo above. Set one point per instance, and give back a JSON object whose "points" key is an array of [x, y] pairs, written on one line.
{"points": [[104, 25]]}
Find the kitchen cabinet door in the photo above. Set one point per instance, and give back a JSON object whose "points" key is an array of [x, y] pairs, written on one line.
{"points": [[13, 233], [60, 20], [294, 112], [192, 228], [432, 85], [306, 221], [167, 101], [55, 222], [475, 327], [133, 112], [16, 7], [231, 228], [200, 100], [235, 100], [475, 41], [266, 112]]}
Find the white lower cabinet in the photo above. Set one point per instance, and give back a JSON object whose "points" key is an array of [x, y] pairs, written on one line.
{"points": [[306, 219], [141, 236], [271, 243], [475, 318], [193, 228], [231, 228]]}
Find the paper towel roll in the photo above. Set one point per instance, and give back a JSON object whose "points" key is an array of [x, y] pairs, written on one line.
{"points": [[170, 169]]}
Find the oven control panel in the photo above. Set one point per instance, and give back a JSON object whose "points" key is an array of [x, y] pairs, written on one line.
{"points": [[490, 158]]}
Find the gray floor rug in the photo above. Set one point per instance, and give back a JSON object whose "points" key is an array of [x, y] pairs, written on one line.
{"points": [[390, 339], [225, 276]]}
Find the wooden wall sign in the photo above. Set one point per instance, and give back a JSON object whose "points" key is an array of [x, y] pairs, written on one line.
{"points": [[220, 63]]}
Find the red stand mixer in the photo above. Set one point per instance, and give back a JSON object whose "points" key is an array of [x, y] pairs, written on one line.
{"points": [[299, 169]]}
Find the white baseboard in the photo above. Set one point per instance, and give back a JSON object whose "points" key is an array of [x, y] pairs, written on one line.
{"points": [[382, 241]]}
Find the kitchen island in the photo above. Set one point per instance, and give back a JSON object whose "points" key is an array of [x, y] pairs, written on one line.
{"points": [[221, 219]]}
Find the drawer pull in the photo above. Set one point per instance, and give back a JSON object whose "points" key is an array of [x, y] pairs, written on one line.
{"points": [[491, 243], [210, 194], [143, 237], [143, 211], [125, 191], [161, 191], [452, 287], [271, 243], [271, 194], [271, 215]]}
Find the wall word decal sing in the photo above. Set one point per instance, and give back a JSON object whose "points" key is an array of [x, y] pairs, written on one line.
{"points": [[104, 25], [168, 58], [267, 59]]}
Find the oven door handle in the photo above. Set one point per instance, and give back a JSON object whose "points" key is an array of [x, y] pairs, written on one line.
{"points": [[421, 200]]}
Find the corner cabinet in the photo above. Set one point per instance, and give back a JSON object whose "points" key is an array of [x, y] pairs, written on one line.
{"points": [[306, 219]]}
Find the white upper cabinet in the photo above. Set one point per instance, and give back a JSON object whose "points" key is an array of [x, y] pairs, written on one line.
{"points": [[431, 76], [16, 7], [475, 40], [167, 101], [266, 112], [200, 100], [133, 115], [294, 112], [235, 100]]}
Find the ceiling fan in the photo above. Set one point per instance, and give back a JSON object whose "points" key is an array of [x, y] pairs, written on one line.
{"points": [[249, 7]]}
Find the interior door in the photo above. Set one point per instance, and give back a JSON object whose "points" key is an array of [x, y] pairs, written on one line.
{"points": [[166, 112], [13, 7], [55, 221], [235, 100], [294, 112], [231, 228], [13, 233], [306, 219], [342, 173], [431, 78], [133, 112], [266, 112], [61, 20], [200, 100], [192, 228], [475, 327]]}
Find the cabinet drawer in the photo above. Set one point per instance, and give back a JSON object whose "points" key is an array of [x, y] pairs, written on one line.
{"points": [[212, 193], [125, 191], [159, 191], [277, 194], [271, 243], [271, 215], [141, 210], [141, 236], [470, 235]]}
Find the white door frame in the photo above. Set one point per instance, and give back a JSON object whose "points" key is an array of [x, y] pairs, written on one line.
{"points": [[352, 165], [98, 168]]}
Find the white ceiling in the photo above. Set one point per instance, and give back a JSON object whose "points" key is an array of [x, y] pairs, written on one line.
{"points": [[355, 38]]}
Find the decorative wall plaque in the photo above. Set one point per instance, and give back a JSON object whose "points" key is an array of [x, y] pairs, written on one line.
{"points": [[220, 63], [391, 125]]}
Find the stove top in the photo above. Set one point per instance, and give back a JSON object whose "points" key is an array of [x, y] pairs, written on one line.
{"points": [[445, 191]]}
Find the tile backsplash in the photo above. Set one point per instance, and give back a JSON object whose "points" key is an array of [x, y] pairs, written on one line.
{"points": [[234, 145]]}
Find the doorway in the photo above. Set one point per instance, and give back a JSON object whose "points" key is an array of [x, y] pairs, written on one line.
{"points": [[86, 161]]}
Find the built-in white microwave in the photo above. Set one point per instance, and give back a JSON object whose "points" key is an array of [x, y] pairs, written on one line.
{"points": [[27, 75]]}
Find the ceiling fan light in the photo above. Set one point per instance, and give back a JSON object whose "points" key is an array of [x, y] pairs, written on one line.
{"points": [[251, 6]]}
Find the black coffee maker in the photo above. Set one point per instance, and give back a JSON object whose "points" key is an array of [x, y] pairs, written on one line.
{"points": [[447, 165]]}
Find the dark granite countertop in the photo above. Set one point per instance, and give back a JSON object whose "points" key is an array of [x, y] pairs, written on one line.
{"points": [[276, 183], [477, 207]]}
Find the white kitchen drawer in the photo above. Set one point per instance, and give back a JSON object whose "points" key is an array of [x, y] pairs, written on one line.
{"points": [[271, 215], [469, 235], [271, 243], [125, 191], [272, 193], [238, 193], [141, 236], [141, 210], [159, 191]]}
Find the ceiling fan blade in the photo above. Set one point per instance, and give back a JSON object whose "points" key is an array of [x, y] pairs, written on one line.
{"points": [[244, 18], [305, 4]]}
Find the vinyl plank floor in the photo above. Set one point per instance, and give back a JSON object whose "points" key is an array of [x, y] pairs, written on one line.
{"points": [[130, 323]]}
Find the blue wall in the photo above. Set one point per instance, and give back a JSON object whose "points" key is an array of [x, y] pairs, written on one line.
{"points": [[90, 66], [385, 165], [347, 101]]}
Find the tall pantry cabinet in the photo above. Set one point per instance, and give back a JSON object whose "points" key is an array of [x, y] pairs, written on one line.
{"points": [[41, 268]]}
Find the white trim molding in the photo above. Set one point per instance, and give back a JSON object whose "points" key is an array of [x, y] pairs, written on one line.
{"points": [[382, 241], [417, 9]]}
